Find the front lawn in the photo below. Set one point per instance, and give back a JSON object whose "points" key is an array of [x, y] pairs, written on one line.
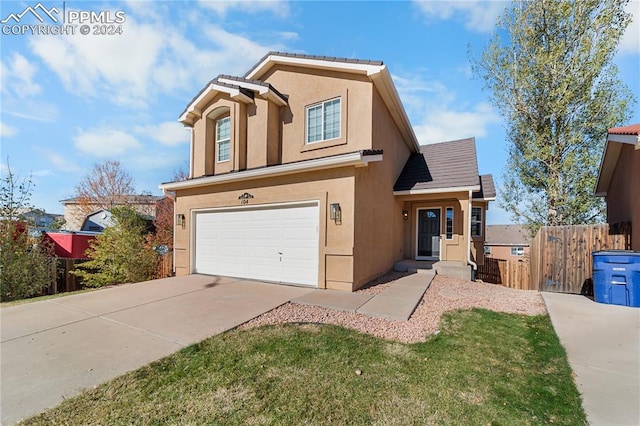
{"points": [[483, 368]]}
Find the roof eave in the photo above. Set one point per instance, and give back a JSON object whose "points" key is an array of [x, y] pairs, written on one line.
{"points": [[357, 159], [438, 190]]}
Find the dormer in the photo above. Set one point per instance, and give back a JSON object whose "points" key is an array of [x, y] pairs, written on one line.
{"points": [[226, 114]]}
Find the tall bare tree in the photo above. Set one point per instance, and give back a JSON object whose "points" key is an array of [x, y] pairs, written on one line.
{"points": [[549, 70], [105, 186]]}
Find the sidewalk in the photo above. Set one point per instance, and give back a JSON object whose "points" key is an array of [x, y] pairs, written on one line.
{"points": [[603, 346], [396, 302]]}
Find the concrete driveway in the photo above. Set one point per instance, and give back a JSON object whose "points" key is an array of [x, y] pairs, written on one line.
{"points": [[603, 348], [53, 349]]}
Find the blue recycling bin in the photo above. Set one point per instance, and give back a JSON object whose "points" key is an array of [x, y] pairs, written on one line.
{"points": [[616, 277]]}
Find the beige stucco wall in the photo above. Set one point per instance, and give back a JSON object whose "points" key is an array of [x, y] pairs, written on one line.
{"points": [[623, 196], [335, 249]]}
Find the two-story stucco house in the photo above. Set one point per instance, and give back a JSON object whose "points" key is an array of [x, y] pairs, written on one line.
{"points": [[307, 171]]}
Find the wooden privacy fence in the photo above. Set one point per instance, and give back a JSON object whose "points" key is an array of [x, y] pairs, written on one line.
{"points": [[509, 273], [561, 259]]}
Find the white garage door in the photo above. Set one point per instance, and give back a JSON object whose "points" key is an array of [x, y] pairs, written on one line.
{"points": [[275, 243]]}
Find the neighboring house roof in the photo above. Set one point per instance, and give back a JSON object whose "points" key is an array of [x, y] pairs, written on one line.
{"points": [[506, 235], [124, 199], [98, 221], [237, 87], [616, 137], [447, 166]]}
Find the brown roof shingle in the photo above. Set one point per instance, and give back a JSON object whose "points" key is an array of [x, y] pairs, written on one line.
{"points": [[507, 235], [442, 165]]}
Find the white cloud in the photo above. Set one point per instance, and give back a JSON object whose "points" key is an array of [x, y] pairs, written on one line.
{"points": [[60, 161], [436, 113], [7, 131], [630, 42], [479, 16], [30, 109], [277, 7], [168, 133], [17, 76], [148, 59], [105, 142], [115, 67], [445, 124]]}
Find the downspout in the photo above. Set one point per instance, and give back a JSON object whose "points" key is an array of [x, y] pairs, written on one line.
{"points": [[469, 261], [190, 152]]}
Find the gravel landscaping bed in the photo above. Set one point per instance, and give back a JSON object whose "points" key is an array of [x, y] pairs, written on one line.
{"points": [[444, 294]]}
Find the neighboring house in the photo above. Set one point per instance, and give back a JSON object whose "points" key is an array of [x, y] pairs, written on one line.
{"points": [[41, 219], [307, 171], [98, 221], [77, 209], [619, 180], [509, 242]]}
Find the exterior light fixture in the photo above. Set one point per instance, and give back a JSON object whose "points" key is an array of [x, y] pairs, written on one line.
{"points": [[405, 214], [335, 213], [180, 220]]}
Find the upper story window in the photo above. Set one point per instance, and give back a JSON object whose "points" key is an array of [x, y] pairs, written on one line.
{"points": [[223, 139], [323, 121], [476, 221]]}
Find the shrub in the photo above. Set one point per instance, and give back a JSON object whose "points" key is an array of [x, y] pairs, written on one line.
{"points": [[27, 265], [121, 253]]}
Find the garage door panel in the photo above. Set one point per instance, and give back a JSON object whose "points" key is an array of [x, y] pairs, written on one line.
{"points": [[279, 243]]}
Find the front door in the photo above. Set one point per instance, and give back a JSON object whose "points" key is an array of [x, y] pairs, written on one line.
{"points": [[428, 234]]}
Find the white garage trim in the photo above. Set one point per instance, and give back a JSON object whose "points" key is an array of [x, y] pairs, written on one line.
{"points": [[269, 242]]}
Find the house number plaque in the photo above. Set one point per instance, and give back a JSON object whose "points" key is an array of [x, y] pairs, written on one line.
{"points": [[244, 198]]}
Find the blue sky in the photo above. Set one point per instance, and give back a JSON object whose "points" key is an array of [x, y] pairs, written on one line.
{"points": [[69, 101]]}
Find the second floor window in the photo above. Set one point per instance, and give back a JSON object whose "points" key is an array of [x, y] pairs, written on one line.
{"points": [[323, 121], [223, 138]]}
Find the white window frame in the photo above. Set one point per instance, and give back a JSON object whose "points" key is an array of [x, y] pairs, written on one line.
{"points": [[475, 222], [517, 251], [448, 222], [223, 141], [322, 105]]}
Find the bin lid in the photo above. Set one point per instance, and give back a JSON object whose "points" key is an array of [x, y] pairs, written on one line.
{"points": [[616, 253]]}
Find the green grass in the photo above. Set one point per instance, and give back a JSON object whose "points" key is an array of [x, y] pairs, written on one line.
{"points": [[483, 368], [46, 297]]}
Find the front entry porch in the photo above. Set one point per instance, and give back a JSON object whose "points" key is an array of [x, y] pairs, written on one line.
{"points": [[441, 267]]}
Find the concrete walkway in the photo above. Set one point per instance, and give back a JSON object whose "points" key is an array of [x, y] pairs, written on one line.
{"points": [[396, 302], [53, 349], [603, 347]]}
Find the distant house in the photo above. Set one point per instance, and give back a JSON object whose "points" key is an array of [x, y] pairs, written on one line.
{"points": [[98, 221], [40, 218], [77, 210], [619, 180], [509, 242]]}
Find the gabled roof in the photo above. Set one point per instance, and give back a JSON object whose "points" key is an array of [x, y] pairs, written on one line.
{"points": [[375, 70], [360, 66], [445, 166], [507, 235], [235, 91], [616, 138]]}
